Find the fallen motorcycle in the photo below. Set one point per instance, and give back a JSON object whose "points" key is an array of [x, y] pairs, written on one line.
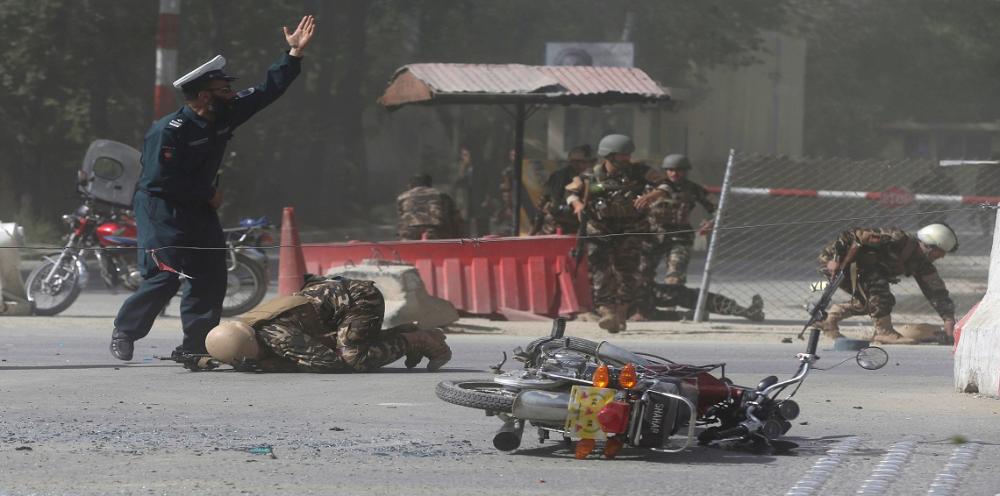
{"points": [[588, 391]]}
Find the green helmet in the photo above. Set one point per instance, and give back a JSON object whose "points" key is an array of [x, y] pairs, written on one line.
{"points": [[615, 143], [676, 161]]}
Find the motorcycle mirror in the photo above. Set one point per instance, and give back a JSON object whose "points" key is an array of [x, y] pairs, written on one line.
{"points": [[872, 358]]}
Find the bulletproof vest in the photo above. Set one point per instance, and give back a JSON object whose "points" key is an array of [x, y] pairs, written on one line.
{"points": [[300, 306], [683, 199], [424, 206], [611, 196], [894, 253]]}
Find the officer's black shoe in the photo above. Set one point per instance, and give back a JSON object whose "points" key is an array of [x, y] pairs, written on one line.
{"points": [[122, 348]]}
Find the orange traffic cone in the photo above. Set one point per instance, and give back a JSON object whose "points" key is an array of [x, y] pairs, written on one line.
{"points": [[291, 263]]}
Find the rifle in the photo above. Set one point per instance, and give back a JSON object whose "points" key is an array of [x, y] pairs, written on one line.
{"points": [[195, 362], [818, 311]]}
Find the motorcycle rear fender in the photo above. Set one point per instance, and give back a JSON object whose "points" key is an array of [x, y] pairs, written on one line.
{"points": [[254, 254]]}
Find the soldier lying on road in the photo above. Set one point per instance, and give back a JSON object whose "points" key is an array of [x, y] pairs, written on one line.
{"points": [[679, 295], [331, 325]]}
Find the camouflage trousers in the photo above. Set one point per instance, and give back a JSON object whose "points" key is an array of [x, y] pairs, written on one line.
{"points": [[432, 232], [676, 248], [355, 343], [677, 295], [613, 262], [872, 295]]}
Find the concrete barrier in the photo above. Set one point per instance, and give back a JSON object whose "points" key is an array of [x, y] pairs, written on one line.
{"points": [[14, 301], [977, 347], [406, 298]]}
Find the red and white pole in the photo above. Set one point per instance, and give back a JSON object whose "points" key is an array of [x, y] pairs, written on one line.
{"points": [[166, 58]]}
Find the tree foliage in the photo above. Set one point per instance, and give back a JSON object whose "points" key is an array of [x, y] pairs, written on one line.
{"points": [[75, 70]]}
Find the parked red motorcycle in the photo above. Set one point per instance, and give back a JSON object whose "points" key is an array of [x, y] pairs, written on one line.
{"points": [[104, 227]]}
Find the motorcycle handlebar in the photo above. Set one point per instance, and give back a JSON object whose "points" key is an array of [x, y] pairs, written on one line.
{"points": [[813, 341]]}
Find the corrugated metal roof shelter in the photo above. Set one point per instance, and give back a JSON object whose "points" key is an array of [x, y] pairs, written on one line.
{"points": [[515, 83], [523, 86]]}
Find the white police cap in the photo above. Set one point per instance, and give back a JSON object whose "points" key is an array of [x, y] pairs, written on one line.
{"points": [[208, 71]]}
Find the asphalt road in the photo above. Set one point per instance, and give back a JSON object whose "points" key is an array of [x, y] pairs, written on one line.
{"points": [[75, 421]]}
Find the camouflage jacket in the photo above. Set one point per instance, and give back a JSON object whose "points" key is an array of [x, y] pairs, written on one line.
{"points": [[675, 209], [428, 207], [318, 311], [552, 211], [894, 253], [610, 196]]}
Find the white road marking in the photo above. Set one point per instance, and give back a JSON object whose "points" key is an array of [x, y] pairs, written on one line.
{"points": [[819, 473], [888, 469], [946, 481]]}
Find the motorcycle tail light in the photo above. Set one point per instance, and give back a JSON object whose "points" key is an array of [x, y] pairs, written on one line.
{"points": [[627, 378], [266, 240], [602, 377], [614, 417]]}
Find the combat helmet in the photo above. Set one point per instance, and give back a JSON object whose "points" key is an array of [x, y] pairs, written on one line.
{"points": [[232, 341], [676, 161], [939, 236], [615, 143]]}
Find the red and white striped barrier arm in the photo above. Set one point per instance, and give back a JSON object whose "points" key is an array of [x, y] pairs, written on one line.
{"points": [[895, 195]]}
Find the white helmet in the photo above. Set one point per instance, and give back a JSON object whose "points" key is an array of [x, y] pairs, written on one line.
{"points": [[938, 236], [231, 342]]}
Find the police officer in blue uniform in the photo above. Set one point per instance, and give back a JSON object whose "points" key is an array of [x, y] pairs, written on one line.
{"points": [[176, 199]]}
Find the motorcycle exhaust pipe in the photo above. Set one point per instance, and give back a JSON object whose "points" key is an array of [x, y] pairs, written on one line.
{"points": [[508, 438], [541, 406]]}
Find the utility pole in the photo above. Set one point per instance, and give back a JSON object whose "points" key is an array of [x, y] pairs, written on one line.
{"points": [[166, 57]]}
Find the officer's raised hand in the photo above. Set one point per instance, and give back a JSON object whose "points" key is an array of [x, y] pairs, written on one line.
{"points": [[298, 40]]}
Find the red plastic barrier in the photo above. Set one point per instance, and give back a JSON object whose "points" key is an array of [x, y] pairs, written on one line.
{"points": [[521, 278]]}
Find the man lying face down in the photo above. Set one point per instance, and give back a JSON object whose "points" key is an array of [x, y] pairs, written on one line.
{"points": [[332, 324]]}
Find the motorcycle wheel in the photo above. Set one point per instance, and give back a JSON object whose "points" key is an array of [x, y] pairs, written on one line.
{"points": [[58, 297], [246, 286], [477, 393]]}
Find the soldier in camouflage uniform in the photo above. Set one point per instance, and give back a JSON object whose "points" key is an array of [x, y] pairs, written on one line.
{"points": [[613, 199], [553, 214], [427, 213], [330, 325], [883, 256], [678, 295], [670, 220]]}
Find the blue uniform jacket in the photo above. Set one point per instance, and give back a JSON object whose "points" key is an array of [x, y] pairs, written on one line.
{"points": [[181, 155]]}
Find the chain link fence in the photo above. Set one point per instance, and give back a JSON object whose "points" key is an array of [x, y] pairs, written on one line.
{"points": [[781, 212]]}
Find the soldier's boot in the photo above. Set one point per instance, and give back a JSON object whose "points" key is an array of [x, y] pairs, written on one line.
{"points": [[727, 306], [831, 326], [608, 318], [621, 317], [428, 344], [886, 334]]}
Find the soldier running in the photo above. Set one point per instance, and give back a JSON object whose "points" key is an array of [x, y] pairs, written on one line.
{"points": [[612, 201], [331, 325], [883, 256]]}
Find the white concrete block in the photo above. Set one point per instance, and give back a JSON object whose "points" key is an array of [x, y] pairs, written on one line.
{"points": [[977, 355], [406, 297], [14, 300]]}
